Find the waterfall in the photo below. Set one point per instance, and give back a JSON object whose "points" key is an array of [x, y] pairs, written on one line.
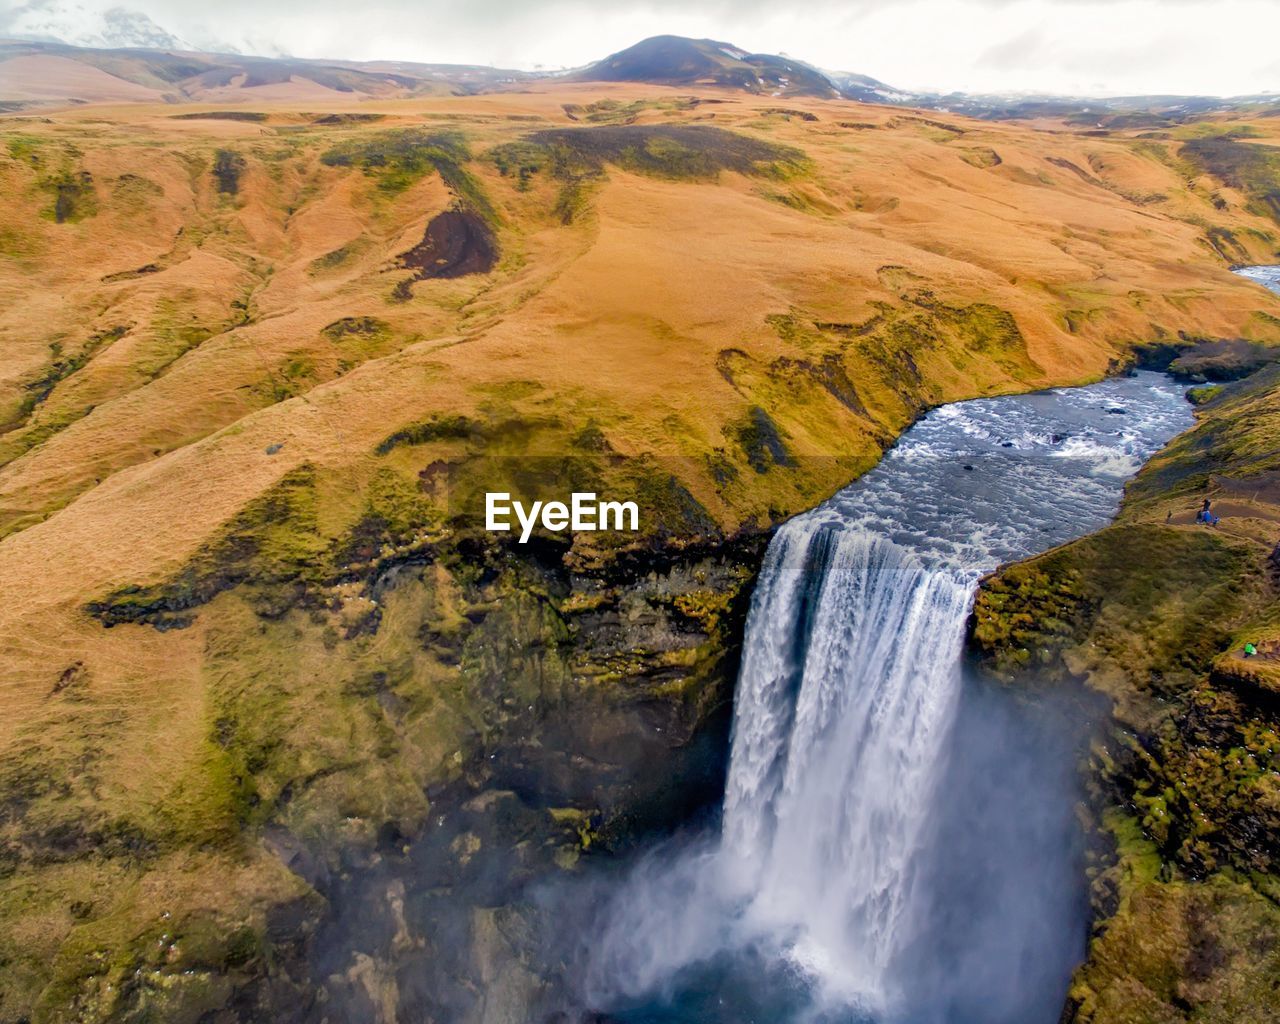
{"points": [[820, 892], [849, 681]]}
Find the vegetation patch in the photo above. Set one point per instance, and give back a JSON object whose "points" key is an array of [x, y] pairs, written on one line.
{"points": [[274, 542], [402, 156], [981, 156], [132, 275], [576, 158], [393, 510], [355, 327], [1223, 360], [677, 152], [1239, 440], [74, 197], [520, 160], [438, 428], [606, 111], [228, 166], [789, 114], [253, 116], [1112, 587], [1251, 167], [175, 333], [337, 119], [336, 259], [1204, 393], [70, 187], [1225, 243], [615, 112], [762, 442], [670, 509], [65, 363]]}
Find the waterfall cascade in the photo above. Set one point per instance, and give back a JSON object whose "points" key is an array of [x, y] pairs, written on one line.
{"points": [[849, 686], [850, 677]]}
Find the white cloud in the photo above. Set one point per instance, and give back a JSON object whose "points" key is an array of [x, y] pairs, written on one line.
{"points": [[1062, 46]]}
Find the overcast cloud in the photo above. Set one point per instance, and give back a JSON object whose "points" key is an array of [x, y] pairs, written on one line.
{"points": [[1081, 47]]}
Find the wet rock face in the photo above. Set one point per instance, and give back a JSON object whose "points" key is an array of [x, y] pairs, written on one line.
{"points": [[1150, 615], [603, 718]]}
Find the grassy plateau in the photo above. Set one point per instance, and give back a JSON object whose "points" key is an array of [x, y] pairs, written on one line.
{"points": [[261, 365]]}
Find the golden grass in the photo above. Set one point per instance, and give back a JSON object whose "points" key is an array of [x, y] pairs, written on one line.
{"points": [[666, 315]]}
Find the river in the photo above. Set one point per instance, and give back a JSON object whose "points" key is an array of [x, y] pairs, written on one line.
{"points": [[896, 843], [1267, 276]]}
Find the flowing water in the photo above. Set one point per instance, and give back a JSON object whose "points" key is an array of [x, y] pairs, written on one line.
{"points": [[860, 847], [1267, 276]]}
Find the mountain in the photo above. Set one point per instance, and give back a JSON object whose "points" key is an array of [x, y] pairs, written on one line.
{"points": [[1102, 112], [675, 60], [119, 27], [34, 71], [128, 47], [1132, 111], [678, 61], [870, 90]]}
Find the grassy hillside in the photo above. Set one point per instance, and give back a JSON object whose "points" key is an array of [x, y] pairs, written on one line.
{"points": [[261, 368], [1152, 615]]}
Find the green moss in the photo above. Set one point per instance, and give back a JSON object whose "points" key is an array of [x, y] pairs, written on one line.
{"points": [[1147, 595], [175, 332], [705, 607], [678, 152], [293, 377], [1251, 167], [437, 428], [29, 149], [1179, 952], [251, 116], [338, 258], [1239, 437], [761, 441], [611, 111], [1183, 772], [74, 197], [64, 364], [17, 444], [274, 542], [1204, 393], [395, 512], [402, 156], [521, 160], [71, 191], [667, 506], [576, 157]]}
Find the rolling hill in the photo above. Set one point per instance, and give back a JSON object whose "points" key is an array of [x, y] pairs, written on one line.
{"points": [[674, 60], [267, 347], [148, 64]]}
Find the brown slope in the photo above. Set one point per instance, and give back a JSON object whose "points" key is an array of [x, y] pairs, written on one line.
{"points": [[702, 320]]}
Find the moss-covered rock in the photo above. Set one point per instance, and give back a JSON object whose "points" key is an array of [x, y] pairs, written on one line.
{"points": [[1149, 614]]}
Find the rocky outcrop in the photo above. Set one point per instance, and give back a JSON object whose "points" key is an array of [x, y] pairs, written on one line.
{"points": [[595, 706], [1146, 622]]}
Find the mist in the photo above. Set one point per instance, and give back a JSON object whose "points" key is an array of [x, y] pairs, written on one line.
{"points": [[999, 917]]}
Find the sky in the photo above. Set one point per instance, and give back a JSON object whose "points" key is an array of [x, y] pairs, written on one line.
{"points": [[1074, 47]]}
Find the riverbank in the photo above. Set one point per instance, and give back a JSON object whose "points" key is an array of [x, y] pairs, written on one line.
{"points": [[1150, 616], [840, 883]]}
